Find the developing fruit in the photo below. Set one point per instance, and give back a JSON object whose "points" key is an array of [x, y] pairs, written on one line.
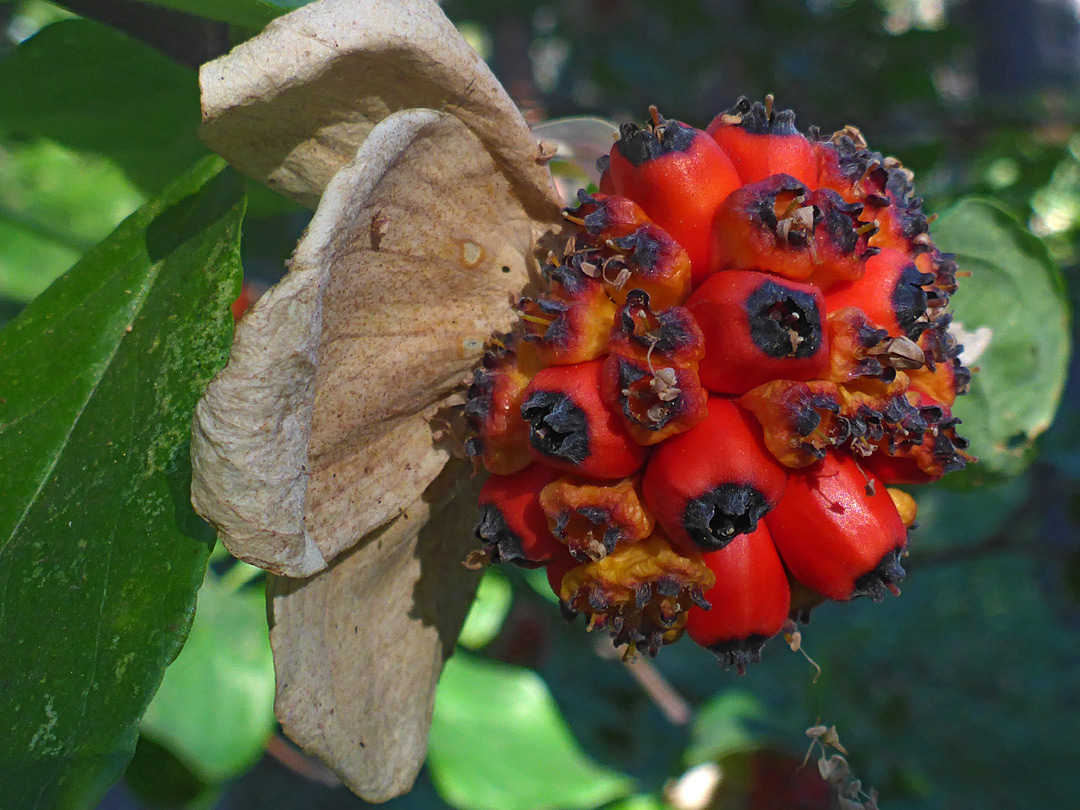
{"points": [[512, 524], [758, 328], [748, 604], [658, 167], [838, 531], [743, 340], [715, 482]]}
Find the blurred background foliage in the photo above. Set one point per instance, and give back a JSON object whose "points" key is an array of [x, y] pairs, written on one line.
{"points": [[963, 693]]}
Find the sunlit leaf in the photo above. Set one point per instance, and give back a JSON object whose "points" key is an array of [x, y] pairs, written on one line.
{"points": [[54, 205], [488, 611], [498, 742], [215, 707], [92, 89], [1016, 292], [100, 552]]}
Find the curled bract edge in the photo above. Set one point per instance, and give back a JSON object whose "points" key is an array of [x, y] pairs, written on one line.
{"points": [[319, 451]]}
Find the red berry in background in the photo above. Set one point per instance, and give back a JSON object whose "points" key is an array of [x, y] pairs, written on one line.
{"points": [[679, 175], [513, 526], [572, 429], [714, 482], [758, 328], [749, 602], [762, 142], [838, 531], [250, 292]]}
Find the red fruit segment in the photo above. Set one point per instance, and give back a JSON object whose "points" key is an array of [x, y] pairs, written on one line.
{"points": [[762, 142], [838, 531], [651, 375], [922, 448], [607, 216], [778, 225], [891, 293], [626, 251], [714, 482], [800, 420], [857, 348], [905, 506], [881, 183], [669, 335], [572, 324], [750, 600], [572, 429], [656, 401], [591, 518], [758, 328], [680, 176], [512, 524], [500, 437], [640, 592]]}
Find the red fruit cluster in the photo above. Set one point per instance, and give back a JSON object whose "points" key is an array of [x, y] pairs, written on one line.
{"points": [[742, 343]]}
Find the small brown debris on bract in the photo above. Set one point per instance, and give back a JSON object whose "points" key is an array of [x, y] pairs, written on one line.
{"points": [[314, 452], [379, 225]]}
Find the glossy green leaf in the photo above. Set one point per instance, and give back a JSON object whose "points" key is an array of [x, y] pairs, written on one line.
{"points": [[100, 551], [92, 89], [1016, 292], [253, 14], [488, 611], [55, 204], [215, 707], [498, 742]]}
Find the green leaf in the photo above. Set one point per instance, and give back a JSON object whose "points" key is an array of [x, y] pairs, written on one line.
{"points": [[720, 727], [1017, 293], [55, 204], [642, 801], [254, 14], [100, 551], [215, 707], [488, 611], [86, 86], [498, 742]]}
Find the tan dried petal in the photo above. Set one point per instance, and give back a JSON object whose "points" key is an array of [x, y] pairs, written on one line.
{"points": [[317, 431], [291, 105], [359, 647]]}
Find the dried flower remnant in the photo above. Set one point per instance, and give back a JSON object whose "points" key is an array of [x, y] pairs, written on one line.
{"points": [[316, 452], [767, 319]]}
